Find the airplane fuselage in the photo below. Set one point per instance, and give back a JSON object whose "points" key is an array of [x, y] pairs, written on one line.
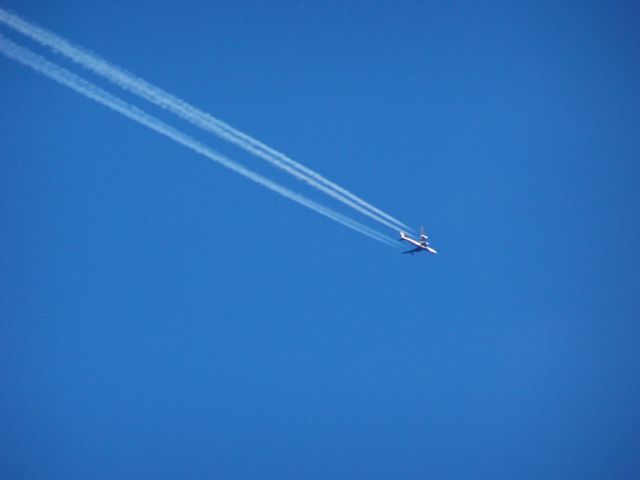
{"points": [[421, 245]]}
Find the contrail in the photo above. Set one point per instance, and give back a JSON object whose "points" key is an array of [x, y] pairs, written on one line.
{"points": [[197, 117], [78, 84]]}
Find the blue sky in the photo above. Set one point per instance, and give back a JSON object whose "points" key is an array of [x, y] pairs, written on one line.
{"points": [[163, 317]]}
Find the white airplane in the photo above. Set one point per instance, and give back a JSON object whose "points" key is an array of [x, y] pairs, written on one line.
{"points": [[421, 246]]}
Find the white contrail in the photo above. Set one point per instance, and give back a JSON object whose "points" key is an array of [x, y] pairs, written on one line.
{"points": [[78, 84], [199, 118]]}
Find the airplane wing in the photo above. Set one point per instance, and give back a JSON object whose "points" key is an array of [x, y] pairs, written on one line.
{"points": [[417, 249]]}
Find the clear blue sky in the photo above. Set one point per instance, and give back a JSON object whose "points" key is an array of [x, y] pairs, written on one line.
{"points": [[161, 317]]}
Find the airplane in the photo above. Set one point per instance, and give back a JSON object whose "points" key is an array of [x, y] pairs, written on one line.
{"points": [[421, 246]]}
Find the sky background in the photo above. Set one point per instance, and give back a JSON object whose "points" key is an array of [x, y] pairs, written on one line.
{"points": [[162, 317]]}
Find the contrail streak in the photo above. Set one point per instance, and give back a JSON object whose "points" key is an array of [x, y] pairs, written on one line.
{"points": [[78, 84], [197, 117]]}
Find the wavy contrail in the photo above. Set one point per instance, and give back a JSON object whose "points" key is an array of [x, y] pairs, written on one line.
{"points": [[197, 117], [82, 86]]}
